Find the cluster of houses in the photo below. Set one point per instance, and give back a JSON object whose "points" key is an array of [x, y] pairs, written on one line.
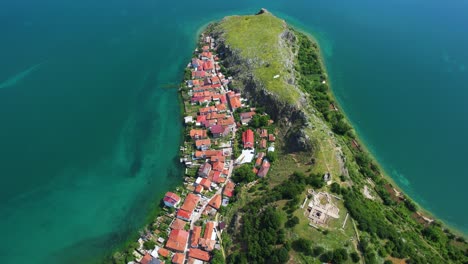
{"points": [[194, 231]]}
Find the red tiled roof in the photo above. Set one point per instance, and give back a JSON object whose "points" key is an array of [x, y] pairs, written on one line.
{"points": [[178, 224], [178, 258], [199, 254], [215, 202], [195, 236], [234, 102], [203, 142], [205, 183], [198, 74], [218, 158], [171, 198], [177, 240], [259, 160], [201, 118], [190, 202], [264, 133], [271, 138], [264, 169], [263, 143], [146, 259], [208, 230], [216, 177], [218, 166], [182, 214], [198, 133], [229, 189], [163, 252], [221, 107], [246, 115], [198, 189], [248, 138]]}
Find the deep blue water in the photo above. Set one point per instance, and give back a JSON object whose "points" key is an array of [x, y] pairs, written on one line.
{"points": [[89, 133]]}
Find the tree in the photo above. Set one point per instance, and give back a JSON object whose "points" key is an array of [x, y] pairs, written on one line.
{"points": [[315, 180], [335, 188], [340, 255], [150, 244], [341, 127], [243, 174], [272, 156], [292, 222], [317, 251], [302, 245], [217, 257], [354, 257]]}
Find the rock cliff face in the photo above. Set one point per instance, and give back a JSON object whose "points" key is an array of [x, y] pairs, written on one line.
{"points": [[290, 117]]}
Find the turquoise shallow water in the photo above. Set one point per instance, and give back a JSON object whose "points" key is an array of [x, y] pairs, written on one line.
{"points": [[89, 135]]}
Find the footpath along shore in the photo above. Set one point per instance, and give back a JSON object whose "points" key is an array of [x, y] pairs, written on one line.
{"points": [[216, 140]]}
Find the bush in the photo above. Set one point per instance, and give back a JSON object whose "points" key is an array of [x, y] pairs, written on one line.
{"points": [[354, 257], [302, 245], [244, 174], [317, 251], [335, 188], [150, 244], [292, 222]]}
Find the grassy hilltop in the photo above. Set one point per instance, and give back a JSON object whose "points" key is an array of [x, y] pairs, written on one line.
{"points": [[266, 223]]}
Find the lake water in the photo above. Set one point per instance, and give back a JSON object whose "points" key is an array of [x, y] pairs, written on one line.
{"points": [[90, 127]]}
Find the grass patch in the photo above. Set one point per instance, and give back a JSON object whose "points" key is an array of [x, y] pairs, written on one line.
{"points": [[262, 48]]}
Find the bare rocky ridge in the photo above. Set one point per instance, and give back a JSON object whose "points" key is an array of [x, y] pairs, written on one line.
{"points": [[291, 117]]}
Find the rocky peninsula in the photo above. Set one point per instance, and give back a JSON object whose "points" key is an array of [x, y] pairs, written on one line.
{"points": [[274, 171]]}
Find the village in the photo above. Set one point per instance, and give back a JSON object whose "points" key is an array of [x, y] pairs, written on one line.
{"points": [[217, 140]]}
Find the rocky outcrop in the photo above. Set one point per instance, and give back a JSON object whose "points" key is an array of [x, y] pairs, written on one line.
{"points": [[290, 117]]}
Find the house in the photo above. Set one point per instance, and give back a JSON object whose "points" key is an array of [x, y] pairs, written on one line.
{"points": [[190, 202], [209, 228], [262, 172], [198, 74], [178, 224], [207, 110], [246, 117], [184, 215], [228, 122], [177, 240], [208, 153], [146, 259], [263, 133], [259, 160], [215, 80], [229, 189], [248, 139], [208, 65], [215, 202], [195, 236], [196, 83], [217, 177], [178, 258], [218, 166], [204, 170], [217, 158], [198, 133], [271, 138], [263, 144], [188, 119], [219, 131], [171, 199], [221, 107], [198, 189], [194, 261], [163, 252], [199, 254], [206, 184], [203, 144], [234, 102], [195, 63]]}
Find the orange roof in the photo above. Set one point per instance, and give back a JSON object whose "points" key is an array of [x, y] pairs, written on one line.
{"points": [[226, 121], [177, 240], [178, 224], [198, 133], [259, 160], [146, 259], [263, 143], [190, 202], [184, 214], [215, 202], [208, 230], [234, 102], [199, 254], [264, 133], [178, 258], [199, 189], [163, 252], [218, 158], [205, 183], [229, 189], [271, 138], [221, 107], [218, 166], [203, 142], [195, 236]]}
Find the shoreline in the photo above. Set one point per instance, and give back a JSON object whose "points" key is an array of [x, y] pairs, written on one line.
{"points": [[363, 145]]}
